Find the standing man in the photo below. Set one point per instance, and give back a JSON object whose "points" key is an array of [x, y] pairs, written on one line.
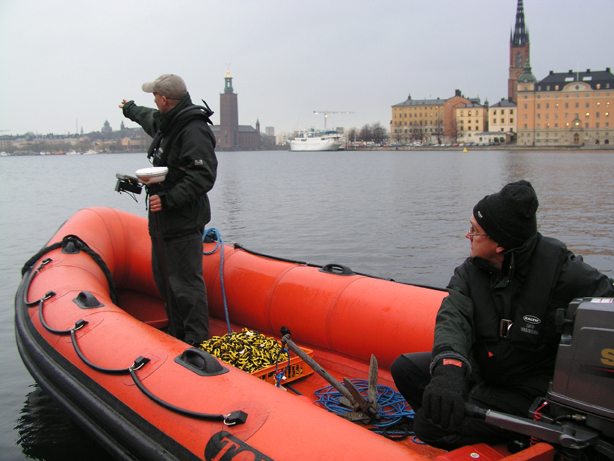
{"points": [[495, 338], [183, 142]]}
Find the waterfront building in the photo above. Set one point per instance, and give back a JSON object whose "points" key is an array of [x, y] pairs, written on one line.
{"points": [[281, 139], [519, 52], [566, 109], [502, 118], [229, 135], [485, 138], [417, 120], [449, 116], [471, 119], [427, 120]]}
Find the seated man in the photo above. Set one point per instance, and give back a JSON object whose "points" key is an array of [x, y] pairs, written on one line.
{"points": [[495, 338]]}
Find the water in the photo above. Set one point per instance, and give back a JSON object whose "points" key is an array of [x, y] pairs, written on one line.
{"points": [[400, 215]]}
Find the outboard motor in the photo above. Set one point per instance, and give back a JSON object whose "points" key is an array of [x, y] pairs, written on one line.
{"points": [[578, 411], [583, 385]]}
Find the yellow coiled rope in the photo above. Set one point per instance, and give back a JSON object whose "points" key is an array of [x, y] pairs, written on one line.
{"points": [[247, 350]]}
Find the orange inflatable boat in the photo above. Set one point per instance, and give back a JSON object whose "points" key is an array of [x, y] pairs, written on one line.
{"points": [[89, 327]]}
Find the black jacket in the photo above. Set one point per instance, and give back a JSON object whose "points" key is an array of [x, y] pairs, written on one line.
{"points": [[536, 280], [184, 143]]}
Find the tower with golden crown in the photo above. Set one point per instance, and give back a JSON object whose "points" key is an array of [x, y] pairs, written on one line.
{"points": [[229, 116]]}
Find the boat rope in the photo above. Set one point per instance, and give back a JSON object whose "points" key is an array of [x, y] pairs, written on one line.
{"points": [[73, 337], [231, 419], [249, 351], [398, 431], [70, 244], [212, 235], [281, 375], [43, 263], [393, 407]]}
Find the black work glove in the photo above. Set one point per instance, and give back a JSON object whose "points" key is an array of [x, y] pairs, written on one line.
{"points": [[444, 397]]}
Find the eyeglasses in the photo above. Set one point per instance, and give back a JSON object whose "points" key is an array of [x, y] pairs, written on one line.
{"points": [[473, 233]]}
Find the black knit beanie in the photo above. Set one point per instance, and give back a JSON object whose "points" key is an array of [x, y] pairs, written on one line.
{"points": [[508, 217]]}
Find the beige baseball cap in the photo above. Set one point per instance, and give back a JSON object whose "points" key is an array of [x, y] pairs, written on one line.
{"points": [[169, 85]]}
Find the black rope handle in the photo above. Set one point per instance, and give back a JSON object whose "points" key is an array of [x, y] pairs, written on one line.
{"points": [[231, 419], [79, 244]]}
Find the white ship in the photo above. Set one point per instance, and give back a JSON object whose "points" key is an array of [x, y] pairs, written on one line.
{"points": [[314, 141]]}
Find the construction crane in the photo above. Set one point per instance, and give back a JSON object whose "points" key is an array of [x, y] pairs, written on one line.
{"points": [[326, 112]]}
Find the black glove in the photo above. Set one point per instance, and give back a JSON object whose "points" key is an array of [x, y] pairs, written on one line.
{"points": [[444, 397]]}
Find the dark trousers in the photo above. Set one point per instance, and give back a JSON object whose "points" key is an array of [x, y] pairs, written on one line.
{"points": [[411, 375], [184, 260]]}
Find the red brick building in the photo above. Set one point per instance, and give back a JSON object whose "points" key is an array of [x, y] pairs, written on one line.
{"points": [[449, 115], [519, 53], [229, 135]]}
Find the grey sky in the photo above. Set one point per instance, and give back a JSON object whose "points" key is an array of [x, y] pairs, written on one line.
{"points": [[69, 62]]}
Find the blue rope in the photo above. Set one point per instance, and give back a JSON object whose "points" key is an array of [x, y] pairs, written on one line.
{"points": [[215, 235], [393, 406], [279, 375]]}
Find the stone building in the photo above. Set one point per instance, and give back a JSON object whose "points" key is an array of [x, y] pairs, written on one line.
{"points": [[427, 120], [566, 109], [471, 119], [417, 120], [449, 116], [106, 127], [229, 135], [502, 117]]}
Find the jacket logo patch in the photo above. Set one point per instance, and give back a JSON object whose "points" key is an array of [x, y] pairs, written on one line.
{"points": [[198, 161], [531, 319]]}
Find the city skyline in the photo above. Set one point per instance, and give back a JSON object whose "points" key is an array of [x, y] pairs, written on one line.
{"points": [[69, 66]]}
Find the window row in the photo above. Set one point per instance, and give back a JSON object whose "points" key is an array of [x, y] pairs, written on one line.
{"points": [[404, 115], [419, 130], [577, 115], [568, 125], [571, 79], [425, 123], [577, 105], [502, 122]]}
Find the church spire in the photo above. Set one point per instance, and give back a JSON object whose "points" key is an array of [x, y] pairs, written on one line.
{"points": [[520, 35], [519, 52]]}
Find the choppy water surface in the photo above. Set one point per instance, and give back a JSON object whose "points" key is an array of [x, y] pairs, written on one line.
{"points": [[401, 215]]}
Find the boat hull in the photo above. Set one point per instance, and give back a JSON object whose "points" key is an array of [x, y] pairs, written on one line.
{"points": [[261, 293], [317, 142], [79, 351]]}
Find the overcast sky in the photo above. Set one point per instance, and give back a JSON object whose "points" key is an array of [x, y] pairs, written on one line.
{"points": [[68, 63]]}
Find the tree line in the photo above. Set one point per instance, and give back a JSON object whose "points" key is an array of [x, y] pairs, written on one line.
{"points": [[374, 133]]}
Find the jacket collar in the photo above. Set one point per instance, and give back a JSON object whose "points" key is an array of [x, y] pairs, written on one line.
{"points": [[515, 260], [166, 119], [518, 259]]}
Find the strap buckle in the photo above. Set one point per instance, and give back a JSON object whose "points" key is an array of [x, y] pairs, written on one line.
{"points": [[234, 418], [505, 327]]}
